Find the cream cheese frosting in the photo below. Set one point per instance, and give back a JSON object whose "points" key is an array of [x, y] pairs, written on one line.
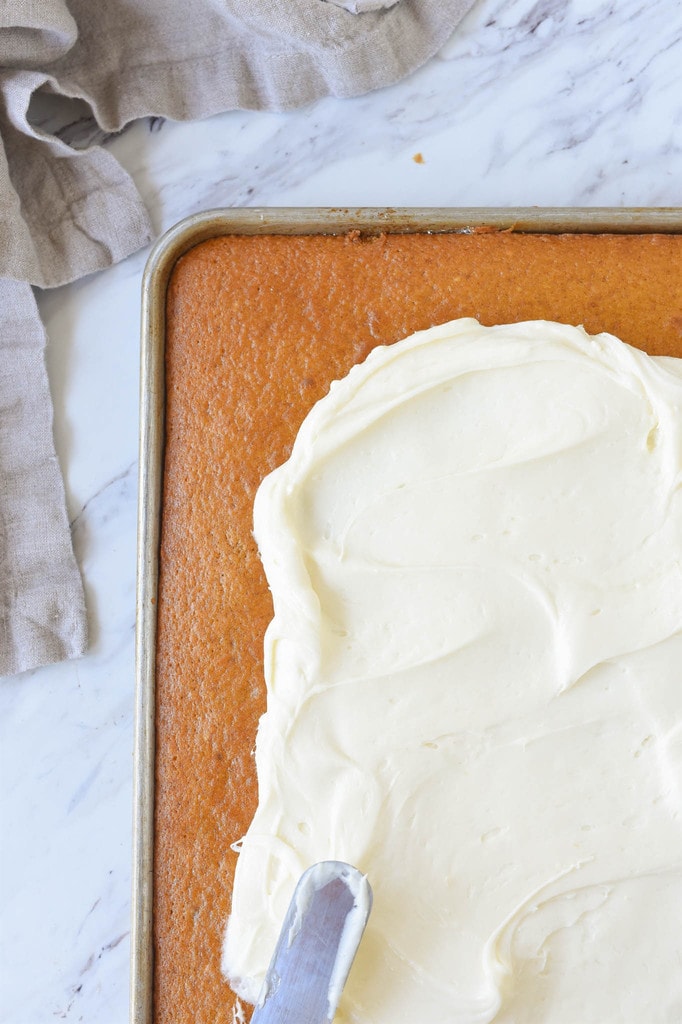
{"points": [[474, 678]]}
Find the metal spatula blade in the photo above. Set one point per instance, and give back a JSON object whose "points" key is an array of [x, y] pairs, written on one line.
{"points": [[316, 946]]}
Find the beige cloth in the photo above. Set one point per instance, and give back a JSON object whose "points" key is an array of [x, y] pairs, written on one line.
{"points": [[66, 213]]}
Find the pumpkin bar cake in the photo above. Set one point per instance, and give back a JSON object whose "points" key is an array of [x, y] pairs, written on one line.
{"points": [[257, 329]]}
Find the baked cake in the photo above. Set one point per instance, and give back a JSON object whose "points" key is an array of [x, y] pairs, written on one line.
{"points": [[257, 329]]}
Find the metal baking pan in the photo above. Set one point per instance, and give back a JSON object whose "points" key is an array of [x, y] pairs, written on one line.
{"points": [[184, 236]]}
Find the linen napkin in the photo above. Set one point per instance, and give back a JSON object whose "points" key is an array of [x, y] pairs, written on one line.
{"points": [[65, 213]]}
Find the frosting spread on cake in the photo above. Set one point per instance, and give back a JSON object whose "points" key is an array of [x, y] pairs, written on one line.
{"points": [[474, 679]]}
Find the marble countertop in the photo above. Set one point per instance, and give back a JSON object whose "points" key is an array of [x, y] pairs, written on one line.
{"points": [[533, 102]]}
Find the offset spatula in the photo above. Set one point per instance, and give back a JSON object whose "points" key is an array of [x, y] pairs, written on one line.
{"points": [[316, 946]]}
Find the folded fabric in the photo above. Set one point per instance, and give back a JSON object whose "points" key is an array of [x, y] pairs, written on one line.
{"points": [[65, 213], [41, 601]]}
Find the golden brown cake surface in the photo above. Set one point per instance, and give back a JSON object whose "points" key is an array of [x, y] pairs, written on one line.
{"points": [[257, 329]]}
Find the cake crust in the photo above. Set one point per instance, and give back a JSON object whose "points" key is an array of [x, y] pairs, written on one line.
{"points": [[257, 328]]}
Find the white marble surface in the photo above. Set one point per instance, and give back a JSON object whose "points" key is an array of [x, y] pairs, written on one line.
{"points": [[556, 102]]}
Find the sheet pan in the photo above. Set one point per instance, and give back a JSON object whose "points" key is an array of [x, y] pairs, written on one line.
{"points": [[188, 233]]}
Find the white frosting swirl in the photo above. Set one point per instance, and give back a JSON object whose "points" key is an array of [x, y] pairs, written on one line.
{"points": [[474, 683]]}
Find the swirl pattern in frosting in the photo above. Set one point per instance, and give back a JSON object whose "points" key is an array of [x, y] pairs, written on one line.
{"points": [[474, 676]]}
